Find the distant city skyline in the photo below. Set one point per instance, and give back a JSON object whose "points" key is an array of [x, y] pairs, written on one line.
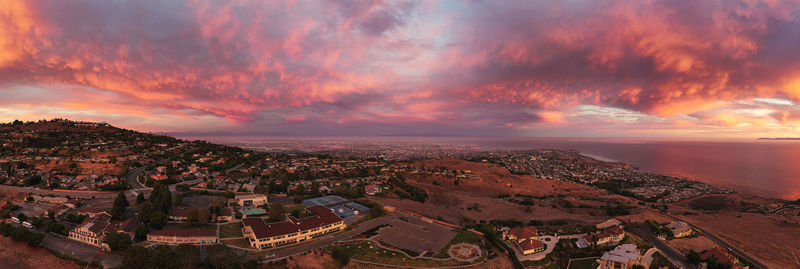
{"points": [[623, 68]]}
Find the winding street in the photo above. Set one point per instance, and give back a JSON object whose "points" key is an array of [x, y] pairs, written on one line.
{"points": [[724, 244], [670, 253]]}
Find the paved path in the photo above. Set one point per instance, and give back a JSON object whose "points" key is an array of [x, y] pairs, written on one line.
{"points": [[670, 253], [724, 244], [82, 251], [73, 194]]}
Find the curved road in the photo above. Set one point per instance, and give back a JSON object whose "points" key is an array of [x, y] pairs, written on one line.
{"points": [[724, 244], [670, 253]]}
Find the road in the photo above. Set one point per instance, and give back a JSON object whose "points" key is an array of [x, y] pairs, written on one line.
{"points": [[132, 176], [323, 241], [670, 253], [724, 244], [73, 194]]}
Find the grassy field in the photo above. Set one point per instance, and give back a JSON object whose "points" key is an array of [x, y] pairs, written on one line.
{"points": [[462, 236], [585, 263], [369, 251], [230, 230]]}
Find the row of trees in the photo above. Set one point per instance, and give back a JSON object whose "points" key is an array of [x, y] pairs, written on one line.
{"points": [[183, 256], [153, 212], [22, 234]]}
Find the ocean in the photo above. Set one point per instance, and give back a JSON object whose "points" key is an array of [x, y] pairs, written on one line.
{"points": [[758, 167]]}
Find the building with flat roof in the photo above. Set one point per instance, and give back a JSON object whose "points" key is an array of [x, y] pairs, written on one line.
{"points": [[255, 199], [679, 229], [183, 236], [266, 235], [622, 257]]}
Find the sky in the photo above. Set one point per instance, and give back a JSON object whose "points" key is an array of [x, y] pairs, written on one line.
{"points": [[706, 69]]}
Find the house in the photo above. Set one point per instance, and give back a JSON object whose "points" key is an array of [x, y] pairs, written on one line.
{"points": [[50, 199], [266, 235], [255, 199], [679, 229], [371, 189], [91, 230], [526, 239], [617, 234], [597, 239], [622, 257], [127, 226], [183, 236], [58, 210], [719, 254], [225, 215], [520, 234], [178, 214], [531, 246]]}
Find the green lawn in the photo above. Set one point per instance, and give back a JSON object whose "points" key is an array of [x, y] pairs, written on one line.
{"points": [[585, 263], [369, 251], [462, 236], [230, 230]]}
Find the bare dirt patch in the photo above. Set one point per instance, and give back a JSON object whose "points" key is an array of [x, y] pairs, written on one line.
{"points": [[698, 244], [771, 239], [477, 197], [20, 256]]}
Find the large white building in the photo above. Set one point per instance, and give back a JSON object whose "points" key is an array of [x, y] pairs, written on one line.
{"points": [[255, 199], [622, 257], [266, 235]]}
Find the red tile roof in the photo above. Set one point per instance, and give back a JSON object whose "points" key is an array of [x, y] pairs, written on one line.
{"points": [[323, 216], [523, 232], [531, 244], [184, 232], [720, 255], [615, 230]]}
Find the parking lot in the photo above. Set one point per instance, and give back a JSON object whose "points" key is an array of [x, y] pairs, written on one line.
{"points": [[416, 235]]}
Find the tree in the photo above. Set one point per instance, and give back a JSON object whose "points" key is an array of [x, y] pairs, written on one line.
{"points": [[137, 257], [161, 197], [118, 241], [191, 215], [141, 231], [276, 212], [140, 198], [163, 257], [203, 216], [120, 204], [33, 180], [221, 256], [158, 220], [693, 257], [187, 256], [377, 211], [341, 256], [145, 212]]}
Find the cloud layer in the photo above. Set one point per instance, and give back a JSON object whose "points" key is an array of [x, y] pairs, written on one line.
{"points": [[554, 68]]}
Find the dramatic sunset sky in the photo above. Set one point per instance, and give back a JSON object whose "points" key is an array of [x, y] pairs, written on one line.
{"points": [[619, 68]]}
